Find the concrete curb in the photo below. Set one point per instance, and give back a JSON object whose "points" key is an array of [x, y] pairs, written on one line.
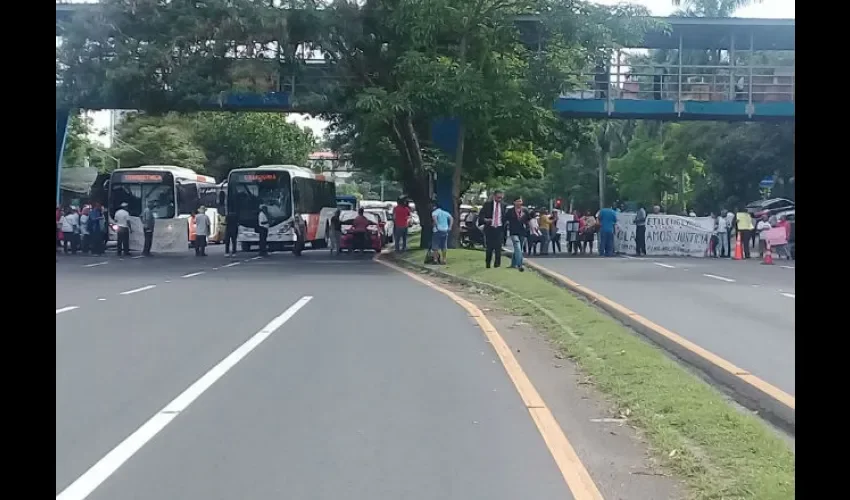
{"points": [[748, 390]]}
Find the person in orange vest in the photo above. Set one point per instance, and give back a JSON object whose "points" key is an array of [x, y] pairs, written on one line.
{"points": [[192, 228]]}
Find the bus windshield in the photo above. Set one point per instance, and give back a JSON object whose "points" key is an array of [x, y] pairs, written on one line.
{"points": [[138, 189], [246, 191]]}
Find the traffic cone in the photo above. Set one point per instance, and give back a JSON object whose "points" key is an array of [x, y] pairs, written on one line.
{"points": [[739, 251], [768, 255]]}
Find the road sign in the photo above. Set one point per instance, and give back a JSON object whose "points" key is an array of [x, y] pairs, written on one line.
{"points": [[767, 182]]}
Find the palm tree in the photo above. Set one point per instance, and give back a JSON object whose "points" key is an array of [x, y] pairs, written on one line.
{"points": [[711, 8]]}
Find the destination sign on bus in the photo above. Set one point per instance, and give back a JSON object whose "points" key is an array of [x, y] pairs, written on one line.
{"points": [[139, 177], [264, 177]]}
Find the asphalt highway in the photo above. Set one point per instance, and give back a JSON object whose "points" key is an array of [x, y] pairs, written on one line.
{"points": [[740, 310], [207, 378]]}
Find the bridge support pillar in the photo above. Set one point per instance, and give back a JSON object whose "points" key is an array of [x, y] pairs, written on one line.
{"points": [[62, 118], [444, 135]]}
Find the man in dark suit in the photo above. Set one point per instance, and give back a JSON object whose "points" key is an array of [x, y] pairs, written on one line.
{"points": [[492, 218]]}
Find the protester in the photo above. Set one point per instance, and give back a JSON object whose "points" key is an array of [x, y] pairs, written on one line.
{"points": [[607, 222], [545, 228], [440, 239], [85, 238], [492, 216], [783, 249], [517, 222], [591, 226], [148, 224], [97, 229], [202, 231], [762, 227], [556, 230], [533, 234], [231, 233], [640, 231], [70, 223], [263, 229], [721, 230], [744, 227], [335, 236], [401, 222]]}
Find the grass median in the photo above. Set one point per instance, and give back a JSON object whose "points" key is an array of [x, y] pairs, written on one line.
{"points": [[720, 451]]}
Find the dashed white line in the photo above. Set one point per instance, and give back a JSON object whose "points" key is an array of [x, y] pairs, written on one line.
{"points": [[231, 264], [101, 299], [190, 275], [668, 266], [83, 486], [789, 295], [66, 309], [253, 258], [721, 278], [137, 290], [787, 267], [97, 264]]}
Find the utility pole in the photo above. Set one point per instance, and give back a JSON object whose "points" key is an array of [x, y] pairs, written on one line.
{"points": [[603, 162]]}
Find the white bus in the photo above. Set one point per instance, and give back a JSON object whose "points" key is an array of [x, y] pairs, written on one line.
{"points": [[175, 192], [300, 205]]}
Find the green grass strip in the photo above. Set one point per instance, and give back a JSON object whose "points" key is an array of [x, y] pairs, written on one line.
{"points": [[721, 452]]}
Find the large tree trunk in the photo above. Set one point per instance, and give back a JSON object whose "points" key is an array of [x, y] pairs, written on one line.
{"points": [[454, 236], [414, 176]]}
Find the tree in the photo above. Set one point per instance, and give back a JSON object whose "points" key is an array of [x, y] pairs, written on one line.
{"points": [[78, 146], [232, 140], [158, 145]]}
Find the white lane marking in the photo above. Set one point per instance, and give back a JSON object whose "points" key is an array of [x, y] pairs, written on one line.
{"points": [[101, 299], [789, 295], [787, 267], [137, 290], [84, 485], [137, 257], [168, 281], [193, 274], [66, 309], [721, 278], [668, 266], [254, 258], [97, 264], [231, 264]]}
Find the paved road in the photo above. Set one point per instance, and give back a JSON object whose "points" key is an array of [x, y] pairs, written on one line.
{"points": [[740, 310], [365, 385]]}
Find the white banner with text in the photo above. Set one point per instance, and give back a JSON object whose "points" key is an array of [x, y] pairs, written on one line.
{"points": [[671, 235]]}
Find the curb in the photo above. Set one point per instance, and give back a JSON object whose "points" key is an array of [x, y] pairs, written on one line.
{"points": [[748, 390]]}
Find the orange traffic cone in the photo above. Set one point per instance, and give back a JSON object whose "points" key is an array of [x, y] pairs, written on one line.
{"points": [[739, 251], [768, 255]]}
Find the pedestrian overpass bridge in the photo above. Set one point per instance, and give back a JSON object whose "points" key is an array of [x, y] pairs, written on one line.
{"points": [[743, 90]]}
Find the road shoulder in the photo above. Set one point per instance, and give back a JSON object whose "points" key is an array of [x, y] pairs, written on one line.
{"points": [[717, 449], [614, 451]]}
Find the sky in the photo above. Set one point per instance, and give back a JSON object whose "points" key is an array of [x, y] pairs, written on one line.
{"points": [[774, 9]]}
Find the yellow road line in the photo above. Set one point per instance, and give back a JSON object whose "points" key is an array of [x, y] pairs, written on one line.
{"points": [[769, 389], [575, 474]]}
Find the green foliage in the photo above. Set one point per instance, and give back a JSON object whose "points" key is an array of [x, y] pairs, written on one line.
{"points": [[232, 140], [212, 142], [78, 146], [159, 145]]}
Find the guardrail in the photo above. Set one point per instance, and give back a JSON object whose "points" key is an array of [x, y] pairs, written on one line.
{"points": [[751, 84]]}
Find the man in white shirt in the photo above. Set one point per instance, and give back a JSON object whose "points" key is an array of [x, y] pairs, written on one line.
{"points": [[71, 230], [122, 220], [202, 230], [722, 236], [263, 228]]}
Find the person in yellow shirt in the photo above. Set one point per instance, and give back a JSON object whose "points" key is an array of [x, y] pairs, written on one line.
{"points": [[545, 231], [744, 227]]}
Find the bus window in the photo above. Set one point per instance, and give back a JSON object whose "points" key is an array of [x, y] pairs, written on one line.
{"points": [[188, 199], [137, 196]]}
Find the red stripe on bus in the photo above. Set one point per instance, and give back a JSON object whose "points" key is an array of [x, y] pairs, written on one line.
{"points": [[312, 226]]}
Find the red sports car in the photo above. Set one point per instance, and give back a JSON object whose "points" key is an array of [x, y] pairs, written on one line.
{"points": [[374, 232]]}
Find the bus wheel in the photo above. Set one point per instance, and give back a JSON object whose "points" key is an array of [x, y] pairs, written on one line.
{"points": [[246, 247]]}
